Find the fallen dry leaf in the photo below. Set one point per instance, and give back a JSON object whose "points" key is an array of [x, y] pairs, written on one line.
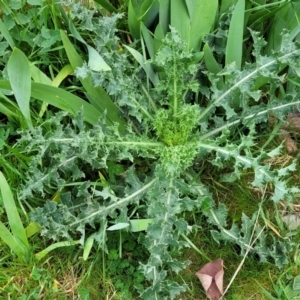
{"points": [[211, 278]]}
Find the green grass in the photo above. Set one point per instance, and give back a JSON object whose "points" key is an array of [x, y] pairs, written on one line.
{"points": [[64, 274]]}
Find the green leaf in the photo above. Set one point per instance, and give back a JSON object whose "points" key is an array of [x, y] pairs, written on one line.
{"points": [[38, 76], [14, 244], [118, 226], [202, 17], [149, 40], [296, 283], [6, 35], [61, 99], [133, 22], [107, 5], [180, 19], [43, 253], [31, 229], [88, 246], [18, 70], [225, 5], [286, 18], [98, 97], [158, 37], [139, 224], [164, 15], [146, 66], [234, 47], [62, 74], [14, 219], [96, 62], [35, 2], [212, 65], [8, 107], [50, 36]]}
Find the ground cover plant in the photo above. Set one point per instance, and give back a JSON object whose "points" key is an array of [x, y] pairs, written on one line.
{"points": [[132, 159]]}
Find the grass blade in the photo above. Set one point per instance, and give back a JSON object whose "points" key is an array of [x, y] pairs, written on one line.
{"points": [[43, 253], [88, 246], [225, 5], [210, 62], [148, 38], [6, 111], [202, 17], [31, 229], [8, 107], [16, 239], [164, 15], [234, 47], [20, 79], [107, 5], [13, 216], [212, 65], [180, 19], [38, 76], [99, 98], [15, 245], [96, 62], [286, 18], [158, 37], [6, 35], [147, 67], [61, 99], [133, 22]]}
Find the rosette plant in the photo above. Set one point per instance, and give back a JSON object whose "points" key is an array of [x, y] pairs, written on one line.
{"points": [[176, 114]]}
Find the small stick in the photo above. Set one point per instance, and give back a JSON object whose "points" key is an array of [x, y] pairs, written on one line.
{"points": [[248, 248]]}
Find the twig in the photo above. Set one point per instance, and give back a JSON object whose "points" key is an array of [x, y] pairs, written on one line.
{"points": [[248, 248]]}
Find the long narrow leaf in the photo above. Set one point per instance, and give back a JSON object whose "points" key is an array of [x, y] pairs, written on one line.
{"points": [[234, 46], [96, 61], [287, 18], [202, 17], [149, 12], [61, 99], [32, 229], [148, 38], [6, 35], [43, 253], [158, 37], [99, 98], [133, 22], [107, 5], [225, 5], [6, 111], [15, 245], [88, 246], [38, 76], [212, 65], [180, 19], [20, 79], [164, 15], [147, 67], [8, 107], [62, 74], [14, 219]]}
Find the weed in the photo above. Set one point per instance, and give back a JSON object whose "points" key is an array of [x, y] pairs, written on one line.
{"points": [[154, 129]]}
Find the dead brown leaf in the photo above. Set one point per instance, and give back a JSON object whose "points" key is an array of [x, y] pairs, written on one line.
{"points": [[211, 278]]}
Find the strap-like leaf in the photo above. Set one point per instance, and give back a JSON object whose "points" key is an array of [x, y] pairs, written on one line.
{"points": [[20, 80]]}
